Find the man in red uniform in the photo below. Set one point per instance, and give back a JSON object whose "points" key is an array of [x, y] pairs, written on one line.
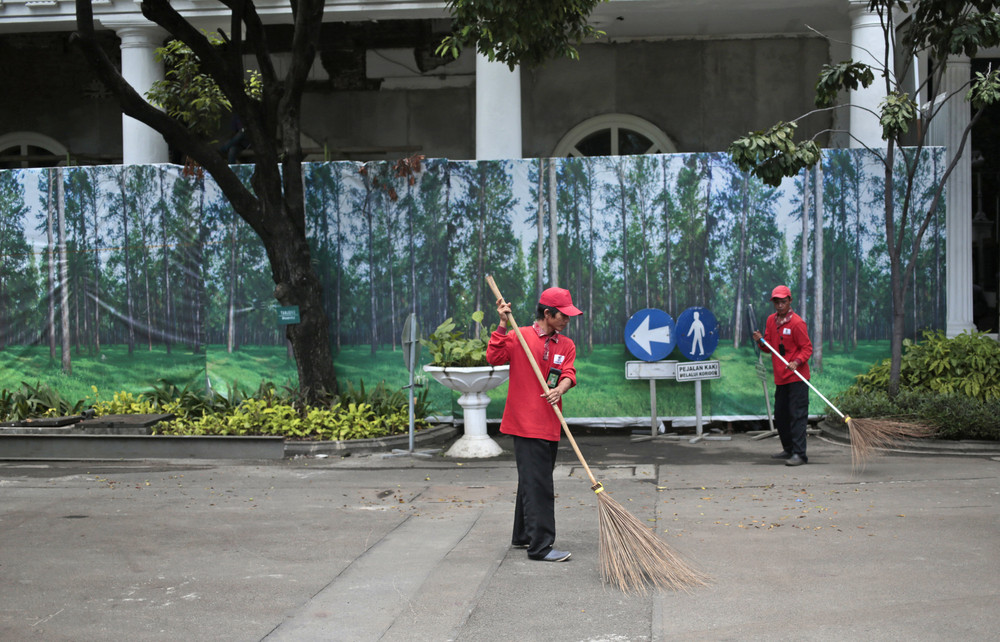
{"points": [[527, 416], [786, 332]]}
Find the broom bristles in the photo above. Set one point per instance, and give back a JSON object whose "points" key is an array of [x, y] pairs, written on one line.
{"points": [[870, 435], [632, 557]]}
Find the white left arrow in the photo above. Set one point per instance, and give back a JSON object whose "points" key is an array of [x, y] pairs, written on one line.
{"points": [[644, 335]]}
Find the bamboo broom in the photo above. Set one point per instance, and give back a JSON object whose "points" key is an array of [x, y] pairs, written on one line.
{"points": [[867, 435], [631, 555]]}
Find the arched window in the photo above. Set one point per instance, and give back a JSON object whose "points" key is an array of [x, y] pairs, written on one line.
{"points": [[614, 135], [28, 149]]}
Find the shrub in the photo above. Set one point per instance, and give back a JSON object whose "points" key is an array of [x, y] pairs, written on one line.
{"points": [[355, 415], [952, 384], [40, 400], [968, 364]]}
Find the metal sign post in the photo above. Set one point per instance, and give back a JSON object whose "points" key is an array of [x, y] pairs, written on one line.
{"points": [[651, 370], [411, 354], [698, 371], [762, 375]]}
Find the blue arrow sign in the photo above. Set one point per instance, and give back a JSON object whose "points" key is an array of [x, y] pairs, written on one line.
{"points": [[697, 333], [649, 334]]}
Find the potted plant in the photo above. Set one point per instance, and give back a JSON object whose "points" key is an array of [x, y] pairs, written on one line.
{"points": [[459, 363]]}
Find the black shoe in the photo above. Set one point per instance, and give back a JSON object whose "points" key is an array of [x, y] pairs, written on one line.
{"points": [[782, 455], [795, 460]]}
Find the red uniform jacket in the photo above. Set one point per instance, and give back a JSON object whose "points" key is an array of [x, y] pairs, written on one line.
{"points": [[794, 336], [527, 413]]}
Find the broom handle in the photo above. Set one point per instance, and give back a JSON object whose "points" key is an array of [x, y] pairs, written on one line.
{"points": [[541, 380], [777, 354]]}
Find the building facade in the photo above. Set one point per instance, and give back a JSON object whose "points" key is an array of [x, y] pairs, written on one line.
{"points": [[669, 76]]}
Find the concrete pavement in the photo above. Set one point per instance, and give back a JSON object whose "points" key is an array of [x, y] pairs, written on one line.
{"points": [[373, 548]]}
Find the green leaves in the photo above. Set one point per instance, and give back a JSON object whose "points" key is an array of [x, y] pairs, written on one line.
{"points": [[773, 154], [898, 111], [985, 89], [844, 75], [967, 364], [191, 96], [450, 347], [951, 27], [519, 32]]}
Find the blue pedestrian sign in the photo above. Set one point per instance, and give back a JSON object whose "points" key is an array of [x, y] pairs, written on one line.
{"points": [[649, 334], [697, 333]]}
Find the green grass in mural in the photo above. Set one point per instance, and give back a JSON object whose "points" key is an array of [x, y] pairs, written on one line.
{"points": [[603, 389], [113, 371]]}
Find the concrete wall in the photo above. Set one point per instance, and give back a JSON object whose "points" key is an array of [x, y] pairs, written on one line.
{"points": [[702, 93], [49, 89]]}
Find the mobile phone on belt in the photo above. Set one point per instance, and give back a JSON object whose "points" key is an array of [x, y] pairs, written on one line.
{"points": [[553, 378]]}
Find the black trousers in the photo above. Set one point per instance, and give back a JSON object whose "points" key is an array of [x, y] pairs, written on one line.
{"points": [[791, 414], [535, 507]]}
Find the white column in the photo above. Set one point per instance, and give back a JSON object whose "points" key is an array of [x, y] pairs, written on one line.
{"points": [[140, 143], [498, 110], [867, 46], [958, 200]]}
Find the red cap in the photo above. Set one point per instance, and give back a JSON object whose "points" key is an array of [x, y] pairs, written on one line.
{"points": [[561, 300], [781, 292]]}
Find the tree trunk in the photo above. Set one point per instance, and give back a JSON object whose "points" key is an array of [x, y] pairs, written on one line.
{"points": [[50, 216], [553, 227], [540, 232], [129, 305], [231, 308], [168, 312], [741, 263], [804, 253], [817, 320], [67, 365]]}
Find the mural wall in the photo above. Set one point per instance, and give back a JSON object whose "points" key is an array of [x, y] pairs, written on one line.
{"points": [[127, 277]]}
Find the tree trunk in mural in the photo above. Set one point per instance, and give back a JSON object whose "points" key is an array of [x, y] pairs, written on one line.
{"points": [[368, 215], [804, 249], [50, 216], [67, 364], [96, 297], [591, 241], [705, 265], [231, 289], [411, 206], [540, 232], [817, 340], [145, 210], [741, 262], [129, 312], [623, 214], [667, 244], [168, 316], [481, 214], [553, 226]]}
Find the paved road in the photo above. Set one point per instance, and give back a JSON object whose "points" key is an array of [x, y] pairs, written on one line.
{"points": [[374, 548]]}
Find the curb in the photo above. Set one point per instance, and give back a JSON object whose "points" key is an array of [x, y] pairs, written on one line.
{"points": [[429, 436], [837, 433]]}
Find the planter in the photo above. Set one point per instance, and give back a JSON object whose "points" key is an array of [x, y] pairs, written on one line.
{"points": [[473, 384]]}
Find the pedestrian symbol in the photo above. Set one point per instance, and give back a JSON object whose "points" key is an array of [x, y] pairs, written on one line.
{"points": [[697, 333]]}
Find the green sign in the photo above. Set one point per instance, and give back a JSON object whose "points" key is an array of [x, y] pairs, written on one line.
{"points": [[288, 314]]}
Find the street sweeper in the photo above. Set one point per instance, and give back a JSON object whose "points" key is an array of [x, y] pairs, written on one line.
{"points": [[529, 420], [789, 333]]}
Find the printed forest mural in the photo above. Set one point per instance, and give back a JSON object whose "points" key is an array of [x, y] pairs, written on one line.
{"points": [[127, 277]]}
